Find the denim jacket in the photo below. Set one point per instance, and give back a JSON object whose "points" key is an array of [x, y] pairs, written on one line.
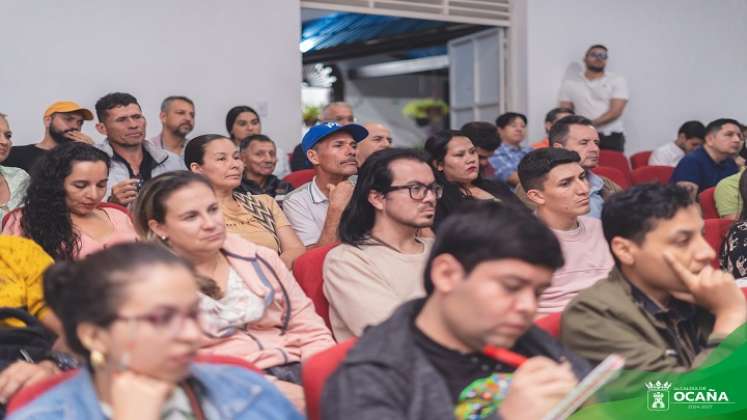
{"points": [[236, 393]]}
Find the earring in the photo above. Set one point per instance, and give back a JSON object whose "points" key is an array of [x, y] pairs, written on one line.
{"points": [[97, 359], [164, 238]]}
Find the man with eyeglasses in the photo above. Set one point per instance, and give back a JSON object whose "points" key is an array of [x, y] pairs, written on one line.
{"points": [[600, 96], [381, 259]]}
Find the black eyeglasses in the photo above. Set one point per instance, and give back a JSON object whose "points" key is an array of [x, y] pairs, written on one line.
{"points": [[418, 191], [598, 55]]}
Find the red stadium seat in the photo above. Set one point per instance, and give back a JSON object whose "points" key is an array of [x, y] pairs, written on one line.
{"points": [[715, 231], [308, 273], [614, 174], [708, 203], [640, 159], [646, 174], [617, 160], [550, 323], [315, 372], [298, 178]]}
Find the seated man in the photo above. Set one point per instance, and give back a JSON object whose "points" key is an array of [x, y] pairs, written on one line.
{"points": [[487, 266], [663, 307], [727, 196], [705, 166], [259, 154], [314, 209], [512, 130], [577, 134], [551, 118], [484, 137], [177, 120], [379, 263], [689, 137], [557, 185], [379, 138]]}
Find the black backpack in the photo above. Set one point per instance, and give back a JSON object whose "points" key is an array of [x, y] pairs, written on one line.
{"points": [[34, 339]]}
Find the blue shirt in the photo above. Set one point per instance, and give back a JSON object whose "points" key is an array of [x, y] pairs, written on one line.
{"points": [[506, 159], [698, 167], [596, 184]]}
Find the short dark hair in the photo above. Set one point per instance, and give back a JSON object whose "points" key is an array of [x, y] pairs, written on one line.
{"points": [[743, 196], [252, 138], [692, 129], [194, 151], [483, 134], [559, 131], [505, 119], [113, 100], [535, 166], [595, 46], [715, 125], [631, 214], [484, 230], [552, 115], [234, 113], [169, 99]]}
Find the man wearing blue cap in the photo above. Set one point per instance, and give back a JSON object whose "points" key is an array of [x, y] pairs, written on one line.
{"points": [[314, 209]]}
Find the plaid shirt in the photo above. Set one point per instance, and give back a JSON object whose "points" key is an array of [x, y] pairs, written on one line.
{"points": [[506, 159]]}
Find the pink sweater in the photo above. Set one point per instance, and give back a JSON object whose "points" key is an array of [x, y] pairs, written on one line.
{"points": [[587, 259]]}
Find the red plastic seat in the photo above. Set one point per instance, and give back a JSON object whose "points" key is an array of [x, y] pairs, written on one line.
{"points": [[614, 174], [715, 231], [315, 372], [646, 174], [708, 203], [308, 271], [550, 323], [640, 159], [298, 178], [617, 160]]}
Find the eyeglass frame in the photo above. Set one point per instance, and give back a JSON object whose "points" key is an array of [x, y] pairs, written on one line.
{"points": [[599, 55], [177, 317], [436, 188]]}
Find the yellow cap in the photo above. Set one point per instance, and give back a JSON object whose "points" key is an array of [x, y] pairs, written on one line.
{"points": [[68, 106]]}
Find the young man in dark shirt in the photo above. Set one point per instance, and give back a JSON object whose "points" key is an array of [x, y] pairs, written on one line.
{"points": [[488, 265]]}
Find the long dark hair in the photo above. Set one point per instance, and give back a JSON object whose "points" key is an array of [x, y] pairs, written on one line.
{"points": [[743, 196], [45, 215], [359, 216], [234, 113]]}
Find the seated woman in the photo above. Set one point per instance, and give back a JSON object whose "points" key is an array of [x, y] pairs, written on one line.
{"points": [[132, 311], [256, 309], [256, 218], [241, 122], [733, 255], [12, 180], [62, 210], [456, 162]]}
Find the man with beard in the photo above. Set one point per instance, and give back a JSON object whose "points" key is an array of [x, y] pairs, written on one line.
{"points": [[599, 96], [62, 122], [178, 119], [382, 256]]}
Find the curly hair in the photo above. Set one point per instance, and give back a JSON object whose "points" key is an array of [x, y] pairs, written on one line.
{"points": [[45, 215]]}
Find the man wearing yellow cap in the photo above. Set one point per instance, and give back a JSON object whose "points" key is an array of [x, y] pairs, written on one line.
{"points": [[62, 123]]}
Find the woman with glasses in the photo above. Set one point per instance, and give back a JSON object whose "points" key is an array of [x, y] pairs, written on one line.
{"points": [[133, 314], [456, 162], [379, 264], [255, 309]]}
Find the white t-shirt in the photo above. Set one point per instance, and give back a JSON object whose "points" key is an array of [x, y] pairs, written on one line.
{"points": [[591, 98], [666, 155]]}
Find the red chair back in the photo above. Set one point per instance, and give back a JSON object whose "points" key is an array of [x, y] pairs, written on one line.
{"points": [[613, 174], [315, 372], [308, 271], [708, 203], [646, 174], [617, 160], [715, 231], [7, 217], [640, 159], [550, 323], [298, 178]]}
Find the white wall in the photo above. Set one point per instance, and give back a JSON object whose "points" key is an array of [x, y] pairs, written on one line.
{"points": [[683, 59], [219, 54]]}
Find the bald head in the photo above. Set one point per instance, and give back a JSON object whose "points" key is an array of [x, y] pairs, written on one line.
{"points": [[339, 112], [379, 138]]}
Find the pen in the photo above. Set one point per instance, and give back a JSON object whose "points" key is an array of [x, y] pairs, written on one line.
{"points": [[504, 355], [26, 356]]}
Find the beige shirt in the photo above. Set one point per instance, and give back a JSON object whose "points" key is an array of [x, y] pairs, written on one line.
{"points": [[246, 225], [364, 285]]}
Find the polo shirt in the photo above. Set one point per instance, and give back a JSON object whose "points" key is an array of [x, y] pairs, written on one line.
{"points": [[728, 200], [306, 209], [698, 167], [591, 98], [506, 160]]}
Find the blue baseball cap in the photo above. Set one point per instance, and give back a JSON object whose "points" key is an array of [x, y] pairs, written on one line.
{"points": [[321, 131]]}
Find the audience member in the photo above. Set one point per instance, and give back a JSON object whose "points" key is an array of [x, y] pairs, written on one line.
{"points": [[61, 210], [133, 160], [13, 181], [663, 307], [259, 154], [553, 116], [177, 120], [256, 218], [379, 138], [727, 196], [381, 259], [733, 252], [512, 131], [600, 96], [705, 166], [577, 134], [455, 160], [314, 209], [689, 137], [557, 184], [132, 312], [484, 136], [63, 121], [484, 273], [243, 121], [336, 112]]}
